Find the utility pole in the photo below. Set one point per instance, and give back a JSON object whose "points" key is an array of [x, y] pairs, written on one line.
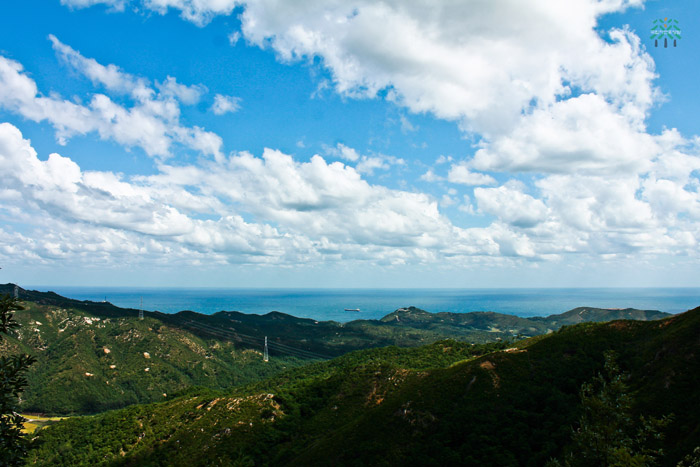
{"points": [[141, 309], [16, 291], [266, 355]]}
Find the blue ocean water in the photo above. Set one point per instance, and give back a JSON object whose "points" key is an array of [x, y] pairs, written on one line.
{"points": [[330, 304]]}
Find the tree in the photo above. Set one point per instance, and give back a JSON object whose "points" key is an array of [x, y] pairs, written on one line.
{"points": [[608, 434], [13, 446], [691, 460]]}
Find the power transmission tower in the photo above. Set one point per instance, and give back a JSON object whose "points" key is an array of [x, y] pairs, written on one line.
{"points": [[141, 309], [266, 355]]}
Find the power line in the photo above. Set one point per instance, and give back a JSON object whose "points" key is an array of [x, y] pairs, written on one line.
{"points": [[250, 340], [281, 348]]}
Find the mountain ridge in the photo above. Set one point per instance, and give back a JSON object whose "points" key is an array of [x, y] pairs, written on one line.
{"points": [[446, 403], [92, 354]]}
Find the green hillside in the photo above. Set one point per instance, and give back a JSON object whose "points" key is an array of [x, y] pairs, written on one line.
{"points": [[94, 356], [444, 404], [88, 364]]}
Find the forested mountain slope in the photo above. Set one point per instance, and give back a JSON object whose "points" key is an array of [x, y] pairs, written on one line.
{"points": [[443, 404], [94, 356]]}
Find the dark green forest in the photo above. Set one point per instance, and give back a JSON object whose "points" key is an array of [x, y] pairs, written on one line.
{"points": [[448, 403], [208, 398], [94, 356]]}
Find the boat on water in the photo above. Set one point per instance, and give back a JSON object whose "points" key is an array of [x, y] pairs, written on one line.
{"points": [[352, 309]]}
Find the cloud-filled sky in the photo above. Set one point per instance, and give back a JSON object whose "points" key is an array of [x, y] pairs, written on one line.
{"points": [[325, 143]]}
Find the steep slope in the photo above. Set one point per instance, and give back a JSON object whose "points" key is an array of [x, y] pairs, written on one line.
{"points": [[94, 356], [588, 314], [87, 364], [503, 326], [442, 404]]}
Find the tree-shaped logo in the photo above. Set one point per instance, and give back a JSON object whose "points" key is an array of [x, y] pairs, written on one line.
{"points": [[666, 29]]}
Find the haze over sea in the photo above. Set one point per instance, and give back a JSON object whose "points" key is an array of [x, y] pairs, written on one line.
{"points": [[330, 304]]}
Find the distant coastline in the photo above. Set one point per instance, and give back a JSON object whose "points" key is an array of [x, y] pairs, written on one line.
{"points": [[330, 304]]}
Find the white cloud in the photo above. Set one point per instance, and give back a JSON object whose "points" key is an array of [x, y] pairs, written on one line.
{"points": [[110, 76], [544, 94], [460, 173], [442, 58], [511, 205], [275, 210], [311, 203], [430, 176], [446, 201], [344, 152], [582, 134], [466, 205], [443, 159], [225, 104], [189, 95], [480, 64], [199, 12], [407, 126], [597, 203], [152, 123], [116, 80], [669, 199], [512, 81], [679, 158], [117, 5], [101, 203], [366, 164], [234, 37]]}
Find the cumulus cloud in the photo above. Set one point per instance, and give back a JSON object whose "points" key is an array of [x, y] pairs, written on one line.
{"points": [[443, 159], [189, 95], [117, 5], [273, 209], [116, 80], [225, 104], [549, 98], [478, 64], [430, 176], [109, 76], [234, 37], [598, 203], [103, 205], [368, 164], [344, 152], [460, 173], [199, 12], [442, 58], [406, 125], [199, 209], [152, 123], [313, 208], [511, 205], [584, 134], [365, 164]]}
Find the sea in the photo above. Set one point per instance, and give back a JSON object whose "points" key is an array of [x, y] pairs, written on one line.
{"points": [[333, 304]]}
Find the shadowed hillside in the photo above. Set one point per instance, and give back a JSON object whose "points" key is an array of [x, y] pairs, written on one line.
{"points": [[94, 356], [446, 403]]}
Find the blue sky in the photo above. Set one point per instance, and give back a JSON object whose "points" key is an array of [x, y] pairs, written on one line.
{"points": [[348, 144]]}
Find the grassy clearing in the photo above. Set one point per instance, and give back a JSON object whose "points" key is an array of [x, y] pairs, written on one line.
{"points": [[35, 421]]}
